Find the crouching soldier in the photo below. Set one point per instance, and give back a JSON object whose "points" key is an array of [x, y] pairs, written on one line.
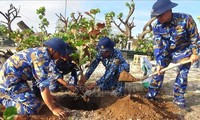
{"points": [[64, 66], [114, 64], [31, 64]]}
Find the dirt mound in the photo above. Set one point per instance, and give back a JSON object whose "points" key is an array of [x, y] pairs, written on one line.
{"points": [[110, 107], [137, 107]]}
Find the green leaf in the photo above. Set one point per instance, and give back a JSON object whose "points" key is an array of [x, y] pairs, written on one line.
{"points": [[120, 15], [128, 5], [40, 16], [84, 60], [9, 113]]}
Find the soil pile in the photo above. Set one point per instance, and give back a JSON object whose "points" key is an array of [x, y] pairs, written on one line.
{"points": [[109, 107], [138, 107]]}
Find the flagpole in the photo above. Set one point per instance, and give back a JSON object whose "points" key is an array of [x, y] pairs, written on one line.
{"points": [[65, 8]]}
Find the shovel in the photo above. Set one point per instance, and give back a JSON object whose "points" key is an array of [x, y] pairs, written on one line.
{"points": [[127, 77], [164, 69]]}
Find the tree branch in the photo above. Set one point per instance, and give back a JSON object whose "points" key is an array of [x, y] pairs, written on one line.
{"points": [[145, 30]]}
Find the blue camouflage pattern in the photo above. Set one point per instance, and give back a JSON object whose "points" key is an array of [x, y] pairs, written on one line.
{"points": [[172, 43], [30, 64], [57, 73], [114, 65]]}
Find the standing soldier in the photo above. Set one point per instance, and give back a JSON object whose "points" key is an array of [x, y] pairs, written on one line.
{"points": [[176, 39]]}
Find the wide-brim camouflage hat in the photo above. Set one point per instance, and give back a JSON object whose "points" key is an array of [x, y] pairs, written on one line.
{"points": [[161, 6]]}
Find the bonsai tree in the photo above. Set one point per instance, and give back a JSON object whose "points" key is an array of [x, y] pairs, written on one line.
{"points": [[10, 16], [126, 23], [83, 34]]}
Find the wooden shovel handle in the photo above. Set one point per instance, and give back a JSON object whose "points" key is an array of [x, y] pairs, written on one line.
{"points": [[166, 68], [172, 66]]}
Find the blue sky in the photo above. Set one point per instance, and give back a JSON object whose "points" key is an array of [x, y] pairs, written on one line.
{"points": [[141, 14]]}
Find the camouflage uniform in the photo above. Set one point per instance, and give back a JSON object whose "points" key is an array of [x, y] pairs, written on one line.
{"points": [[172, 43], [30, 64], [59, 69], [114, 65]]}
